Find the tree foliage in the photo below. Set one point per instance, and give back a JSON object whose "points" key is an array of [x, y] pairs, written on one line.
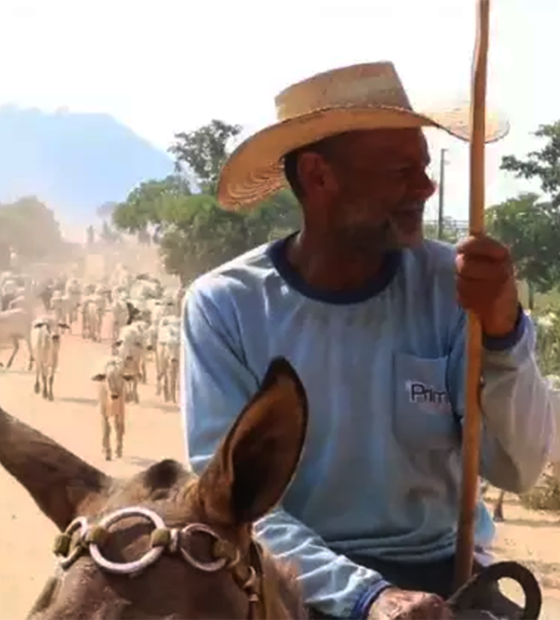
{"points": [[194, 233], [143, 210], [531, 229], [201, 235], [204, 151], [529, 225], [29, 228], [542, 165]]}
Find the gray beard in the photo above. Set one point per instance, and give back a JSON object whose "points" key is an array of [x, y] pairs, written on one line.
{"points": [[374, 240]]}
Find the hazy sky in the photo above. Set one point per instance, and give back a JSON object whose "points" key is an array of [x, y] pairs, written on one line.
{"points": [[171, 65]]}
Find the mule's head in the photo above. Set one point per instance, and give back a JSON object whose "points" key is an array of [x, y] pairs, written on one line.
{"points": [[197, 557]]}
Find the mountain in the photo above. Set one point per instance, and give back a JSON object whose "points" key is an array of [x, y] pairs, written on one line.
{"points": [[74, 162]]}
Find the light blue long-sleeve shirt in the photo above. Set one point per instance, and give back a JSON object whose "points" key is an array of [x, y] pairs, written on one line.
{"points": [[384, 374]]}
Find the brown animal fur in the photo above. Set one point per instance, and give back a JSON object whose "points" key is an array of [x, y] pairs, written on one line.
{"points": [[245, 479]]}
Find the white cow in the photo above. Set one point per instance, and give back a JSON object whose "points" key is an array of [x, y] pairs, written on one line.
{"points": [[146, 289], [15, 325], [101, 300], [119, 291], [166, 306], [93, 311], [103, 290], [45, 344], [74, 293], [143, 329], [88, 311], [169, 345], [120, 313], [153, 338], [130, 348], [60, 306], [113, 379]]}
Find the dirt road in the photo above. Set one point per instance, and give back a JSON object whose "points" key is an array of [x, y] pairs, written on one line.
{"points": [[154, 432]]}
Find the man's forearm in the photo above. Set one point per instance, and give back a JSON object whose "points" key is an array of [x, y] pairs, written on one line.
{"points": [[330, 582]]}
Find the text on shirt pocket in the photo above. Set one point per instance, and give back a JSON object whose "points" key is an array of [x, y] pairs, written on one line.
{"points": [[423, 416]]}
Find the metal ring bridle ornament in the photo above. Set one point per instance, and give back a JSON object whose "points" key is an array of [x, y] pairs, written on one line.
{"points": [[207, 567], [81, 525], [92, 535], [126, 568]]}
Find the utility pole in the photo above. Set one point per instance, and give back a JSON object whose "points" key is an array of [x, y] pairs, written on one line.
{"points": [[442, 163]]}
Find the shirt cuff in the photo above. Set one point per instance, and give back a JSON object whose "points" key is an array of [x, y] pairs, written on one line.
{"points": [[504, 343], [368, 596]]}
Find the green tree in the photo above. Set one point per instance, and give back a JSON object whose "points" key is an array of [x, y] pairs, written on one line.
{"points": [[542, 165], [541, 219], [274, 218], [204, 151], [141, 211], [31, 228], [194, 233], [201, 235], [531, 229]]}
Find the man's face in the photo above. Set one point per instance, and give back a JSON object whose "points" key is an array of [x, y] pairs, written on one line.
{"points": [[375, 186]]}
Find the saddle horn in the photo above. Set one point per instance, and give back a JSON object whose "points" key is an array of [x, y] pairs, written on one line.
{"points": [[466, 597]]}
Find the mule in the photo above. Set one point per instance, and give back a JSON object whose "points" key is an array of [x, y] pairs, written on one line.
{"points": [[166, 543]]}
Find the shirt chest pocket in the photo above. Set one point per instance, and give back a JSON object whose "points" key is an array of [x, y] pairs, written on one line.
{"points": [[423, 417]]}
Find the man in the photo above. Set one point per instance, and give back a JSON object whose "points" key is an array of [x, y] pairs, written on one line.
{"points": [[372, 318]]}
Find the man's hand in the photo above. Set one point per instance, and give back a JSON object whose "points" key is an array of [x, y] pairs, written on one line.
{"points": [[396, 604], [486, 284]]}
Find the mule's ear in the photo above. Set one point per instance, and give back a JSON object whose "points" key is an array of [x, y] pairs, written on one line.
{"points": [[256, 461], [60, 483]]}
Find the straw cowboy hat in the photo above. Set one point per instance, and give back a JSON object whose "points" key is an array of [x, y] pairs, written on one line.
{"points": [[366, 96]]}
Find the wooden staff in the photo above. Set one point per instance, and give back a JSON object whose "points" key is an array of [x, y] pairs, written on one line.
{"points": [[472, 423]]}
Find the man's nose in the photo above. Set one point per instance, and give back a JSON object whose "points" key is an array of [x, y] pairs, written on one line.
{"points": [[422, 187]]}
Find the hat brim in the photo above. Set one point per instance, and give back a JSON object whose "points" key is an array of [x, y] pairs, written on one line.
{"points": [[254, 171]]}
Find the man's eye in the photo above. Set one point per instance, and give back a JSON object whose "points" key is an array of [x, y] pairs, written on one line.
{"points": [[402, 170]]}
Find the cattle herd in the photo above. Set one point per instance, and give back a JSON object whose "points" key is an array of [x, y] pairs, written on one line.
{"points": [[144, 321]]}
